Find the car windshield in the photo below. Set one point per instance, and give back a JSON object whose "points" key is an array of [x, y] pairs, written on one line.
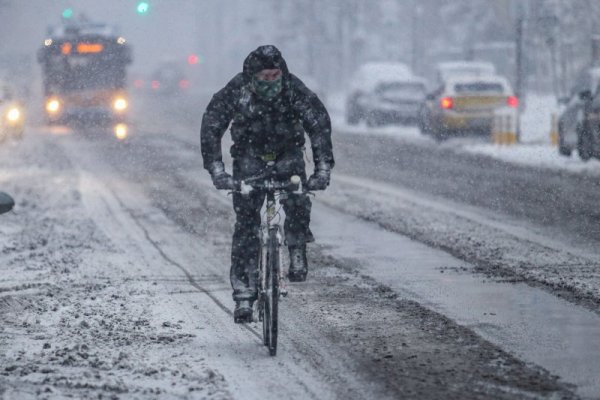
{"points": [[401, 90], [479, 87]]}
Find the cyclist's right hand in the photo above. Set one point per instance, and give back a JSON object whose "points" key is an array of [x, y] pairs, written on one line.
{"points": [[221, 179]]}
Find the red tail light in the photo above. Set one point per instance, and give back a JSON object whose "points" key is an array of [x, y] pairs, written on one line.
{"points": [[184, 84], [155, 84], [512, 101], [447, 103]]}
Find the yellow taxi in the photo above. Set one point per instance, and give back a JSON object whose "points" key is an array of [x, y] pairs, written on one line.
{"points": [[465, 104], [12, 115]]}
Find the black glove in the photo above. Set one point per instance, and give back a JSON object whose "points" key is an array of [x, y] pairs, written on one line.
{"points": [[221, 179], [319, 180]]}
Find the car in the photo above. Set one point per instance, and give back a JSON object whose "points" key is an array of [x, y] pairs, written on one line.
{"points": [[169, 78], [447, 69], [578, 120], [384, 93], [6, 203], [465, 104], [12, 115]]}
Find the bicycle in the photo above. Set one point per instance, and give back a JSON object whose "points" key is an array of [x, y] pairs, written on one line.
{"points": [[271, 240]]}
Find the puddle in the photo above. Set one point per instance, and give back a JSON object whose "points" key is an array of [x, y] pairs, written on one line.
{"points": [[528, 322]]}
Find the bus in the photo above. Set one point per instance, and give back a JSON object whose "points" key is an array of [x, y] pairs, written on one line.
{"points": [[84, 74]]}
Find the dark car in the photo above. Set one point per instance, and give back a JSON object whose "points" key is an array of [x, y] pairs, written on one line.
{"points": [[383, 93], [169, 78], [578, 123]]}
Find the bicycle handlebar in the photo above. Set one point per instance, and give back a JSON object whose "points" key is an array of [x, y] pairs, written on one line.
{"points": [[244, 186]]}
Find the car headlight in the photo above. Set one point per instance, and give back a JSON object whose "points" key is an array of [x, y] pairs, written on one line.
{"points": [[14, 114], [120, 104], [52, 106]]}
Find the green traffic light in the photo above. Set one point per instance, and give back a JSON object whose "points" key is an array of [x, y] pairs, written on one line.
{"points": [[143, 7], [67, 13]]}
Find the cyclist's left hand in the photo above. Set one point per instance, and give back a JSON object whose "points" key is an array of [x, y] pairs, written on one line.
{"points": [[319, 180]]}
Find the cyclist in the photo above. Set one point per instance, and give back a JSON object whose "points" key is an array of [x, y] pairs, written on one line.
{"points": [[270, 110]]}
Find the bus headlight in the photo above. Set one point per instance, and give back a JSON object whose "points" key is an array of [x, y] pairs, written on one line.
{"points": [[120, 131], [14, 114], [52, 106], [120, 104]]}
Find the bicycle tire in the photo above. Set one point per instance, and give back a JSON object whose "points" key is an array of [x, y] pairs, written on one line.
{"points": [[272, 292]]}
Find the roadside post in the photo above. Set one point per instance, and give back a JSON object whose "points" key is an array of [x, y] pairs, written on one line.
{"points": [[505, 127], [553, 130]]}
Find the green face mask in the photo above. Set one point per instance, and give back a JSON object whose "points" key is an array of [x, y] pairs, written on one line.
{"points": [[267, 89]]}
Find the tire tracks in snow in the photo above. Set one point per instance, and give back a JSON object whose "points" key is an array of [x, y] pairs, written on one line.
{"points": [[189, 276]]}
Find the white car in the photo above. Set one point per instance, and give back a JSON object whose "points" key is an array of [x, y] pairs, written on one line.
{"points": [[383, 93], [12, 116]]}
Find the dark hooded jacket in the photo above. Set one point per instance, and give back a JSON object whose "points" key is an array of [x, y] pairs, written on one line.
{"points": [[259, 126]]}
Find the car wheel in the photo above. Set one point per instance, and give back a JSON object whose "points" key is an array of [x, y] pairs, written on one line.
{"points": [[565, 151], [585, 144], [562, 149]]}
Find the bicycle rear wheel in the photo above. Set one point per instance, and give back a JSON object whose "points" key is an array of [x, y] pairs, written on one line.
{"points": [[271, 303]]}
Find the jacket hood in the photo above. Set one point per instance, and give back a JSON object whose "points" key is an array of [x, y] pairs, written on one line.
{"points": [[264, 57]]}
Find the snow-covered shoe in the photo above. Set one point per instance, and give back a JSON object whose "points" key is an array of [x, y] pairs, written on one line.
{"points": [[298, 263], [242, 312]]}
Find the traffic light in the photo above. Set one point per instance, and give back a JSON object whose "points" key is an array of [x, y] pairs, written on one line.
{"points": [[67, 13], [193, 59], [142, 7]]}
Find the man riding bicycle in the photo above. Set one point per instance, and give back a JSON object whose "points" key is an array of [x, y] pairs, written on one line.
{"points": [[270, 110]]}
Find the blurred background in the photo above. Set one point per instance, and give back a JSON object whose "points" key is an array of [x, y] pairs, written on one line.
{"points": [[326, 40]]}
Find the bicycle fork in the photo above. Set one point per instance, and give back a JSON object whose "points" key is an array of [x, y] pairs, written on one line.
{"points": [[283, 290]]}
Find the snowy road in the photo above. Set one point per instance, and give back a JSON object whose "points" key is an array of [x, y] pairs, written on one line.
{"points": [[529, 223], [114, 279]]}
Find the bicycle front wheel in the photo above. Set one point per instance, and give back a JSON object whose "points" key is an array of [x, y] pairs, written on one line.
{"points": [[271, 303]]}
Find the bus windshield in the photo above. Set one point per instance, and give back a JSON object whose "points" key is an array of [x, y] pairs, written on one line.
{"points": [[85, 65]]}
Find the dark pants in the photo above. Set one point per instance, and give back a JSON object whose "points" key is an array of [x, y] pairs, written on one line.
{"points": [[246, 246]]}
